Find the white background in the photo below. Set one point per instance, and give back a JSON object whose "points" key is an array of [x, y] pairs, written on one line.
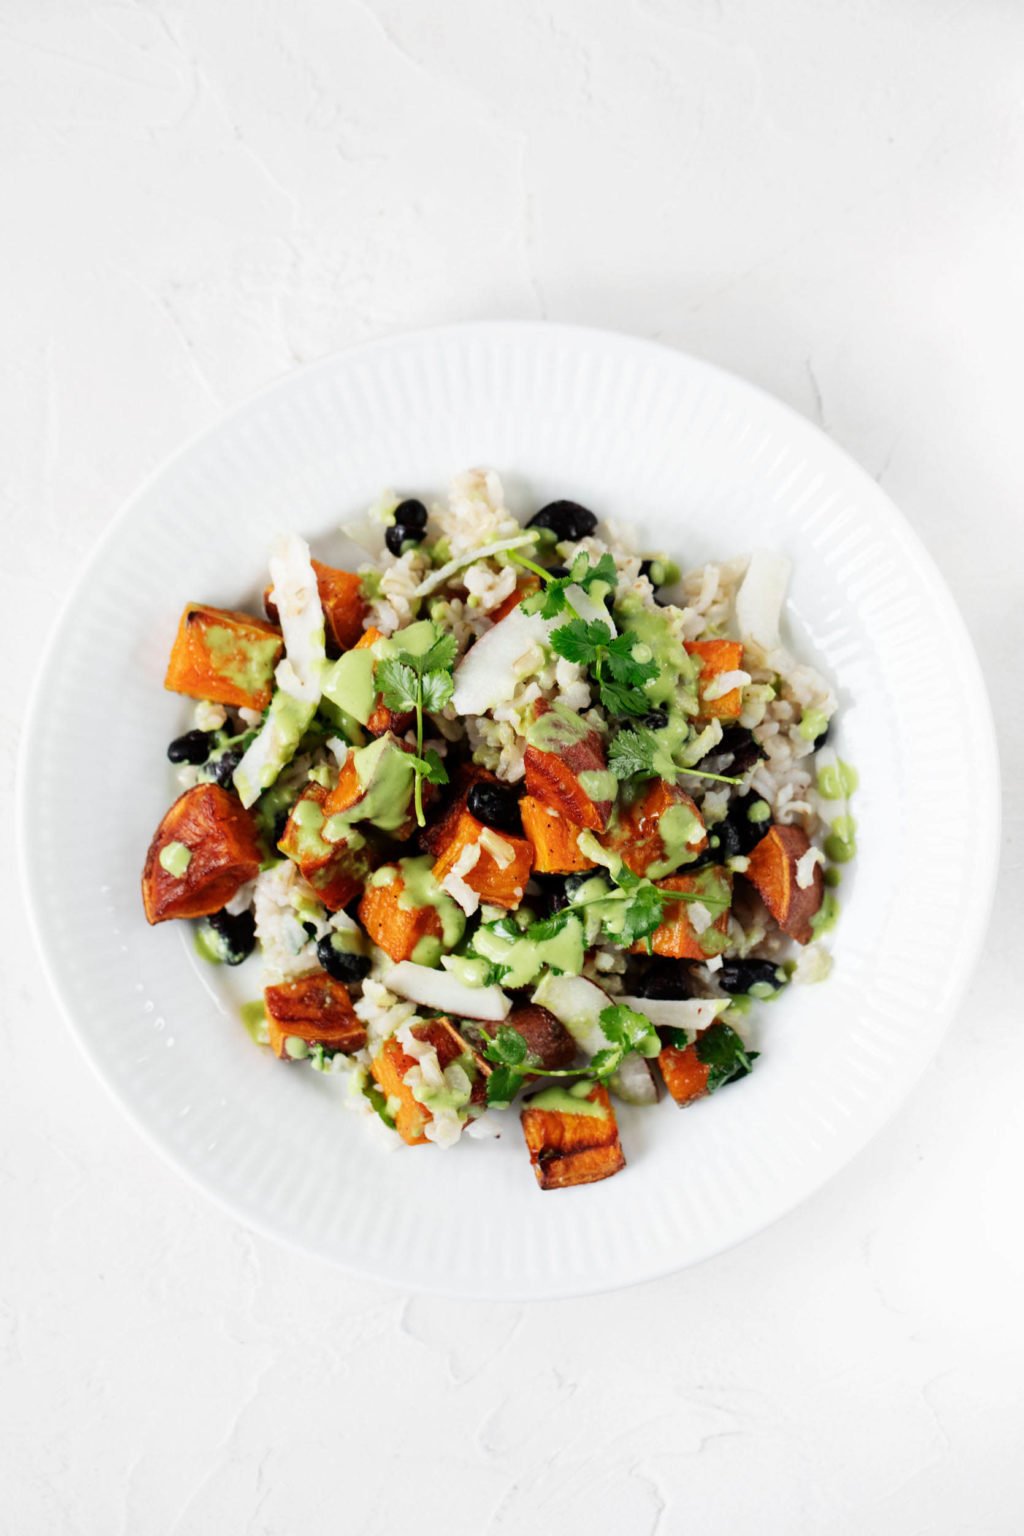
{"points": [[825, 197]]}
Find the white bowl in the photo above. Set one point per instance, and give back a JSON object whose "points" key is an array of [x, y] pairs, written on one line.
{"points": [[706, 467]]}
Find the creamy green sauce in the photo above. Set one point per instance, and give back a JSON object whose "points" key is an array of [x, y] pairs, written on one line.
{"points": [[524, 958], [385, 774], [295, 1048], [244, 660], [841, 842], [824, 920], [759, 812], [348, 684], [557, 730], [676, 681], [175, 858], [680, 829], [566, 1102], [812, 724], [837, 780], [598, 783], [254, 1018]]}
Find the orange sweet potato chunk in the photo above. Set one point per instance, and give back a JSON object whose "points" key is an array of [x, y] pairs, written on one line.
{"points": [[436, 837], [637, 837], [341, 598], [392, 1063], [225, 656], [553, 838], [316, 1009], [223, 852], [336, 871], [676, 937], [716, 657], [396, 929], [567, 1149], [501, 886], [554, 780], [382, 719], [686, 1076], [772, 870]]}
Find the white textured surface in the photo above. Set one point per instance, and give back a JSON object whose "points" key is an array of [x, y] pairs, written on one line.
{"points": [[824, 197]]}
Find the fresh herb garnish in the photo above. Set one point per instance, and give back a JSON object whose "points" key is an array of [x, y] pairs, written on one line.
{"points": [[619, 676], [410, 682], [624, 1029], [634, 754], [553, 598], [722, 1051]]}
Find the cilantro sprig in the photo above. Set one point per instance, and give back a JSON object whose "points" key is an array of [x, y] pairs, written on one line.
{"points": [[623, 1028], [632, 908], [636, 753], [420, 683]]}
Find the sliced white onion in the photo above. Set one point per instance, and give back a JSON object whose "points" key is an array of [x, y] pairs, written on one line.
{"points": [[678, 1013], [443, 991], [760, 598], [633, 1082], [438, 578], [487, 675], [301, 615]]}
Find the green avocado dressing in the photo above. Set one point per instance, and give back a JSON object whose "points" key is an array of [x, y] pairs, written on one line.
{"points": [[812, 724], [557, 730], [566, 1102], [420, 889], [385, 775], [676, 680], [254, 1018], [680, 829], [841, 842], [836, 781], [759, 812], [175, 858], [824, 920], [523, 959], [245, 660], [348, 684], [598, 783]]}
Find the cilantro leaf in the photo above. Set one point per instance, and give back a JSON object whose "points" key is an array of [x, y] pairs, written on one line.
{"points": [[440, 656], [623, 665], [631, 754], [581, 641], [508, 1047], [722, 1051], [397, 684], [604, 1063], [643, 913], [603, 571], [631, 1030], [678, 1038], [623, 698], [437, 688], [548, 927], [502, 1087]]}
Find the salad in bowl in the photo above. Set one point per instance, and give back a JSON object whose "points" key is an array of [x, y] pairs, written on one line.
{"points": [[514, 821]]}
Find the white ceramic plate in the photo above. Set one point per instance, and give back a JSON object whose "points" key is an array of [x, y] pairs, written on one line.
{"points": [[707, 467]]}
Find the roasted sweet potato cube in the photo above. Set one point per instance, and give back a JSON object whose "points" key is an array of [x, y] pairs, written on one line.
{"points": [[205, 848], [341, 597], [436, 837], [398, 930], [553, 838], [336, 871], [494, 864], [656, 829], [224, 656], [313, 1010], [775, 870], [677, 936], [716, 657], [686, 1076], [351, 788], [716, 1057], [557, 774], [572, 1147], [390, 1066]]}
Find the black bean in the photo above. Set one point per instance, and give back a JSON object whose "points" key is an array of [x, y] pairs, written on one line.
{"points": [[222, 767], [193, 747], [666, 979], [729, 842], [559, 572], [411, 515], [496, 807], [310, 929], [740, 975], [342, 964], [822, 740], [746, 834], [742, 749], [396, 536], [656, 720], [566, 519], [232, 935]]}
